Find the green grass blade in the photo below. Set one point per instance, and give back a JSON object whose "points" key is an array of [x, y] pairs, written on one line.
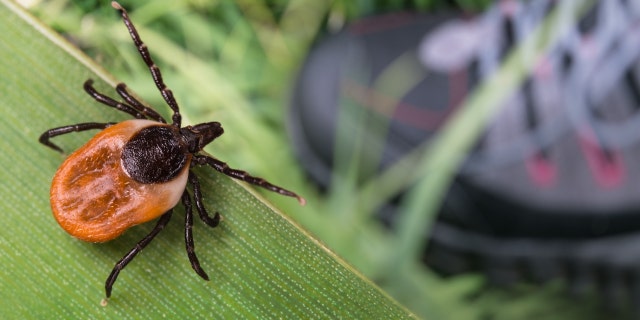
{"points": [[262, 265]]}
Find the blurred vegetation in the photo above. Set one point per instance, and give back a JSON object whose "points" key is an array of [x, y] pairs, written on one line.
{"points": [[235, 61]]}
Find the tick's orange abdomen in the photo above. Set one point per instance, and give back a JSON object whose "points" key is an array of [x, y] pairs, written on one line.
{"points": [[94, 199]]}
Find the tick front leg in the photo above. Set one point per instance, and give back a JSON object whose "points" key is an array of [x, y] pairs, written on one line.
{"points": [[162, 222], [44, 138], [188, 236], [245, 176], [166, 93]]}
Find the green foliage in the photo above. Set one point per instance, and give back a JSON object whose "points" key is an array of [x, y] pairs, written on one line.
{"points": [[261, 263], [234, 61]]}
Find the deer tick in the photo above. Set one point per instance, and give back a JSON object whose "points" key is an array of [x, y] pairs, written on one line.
{"points": [[136, 170]]}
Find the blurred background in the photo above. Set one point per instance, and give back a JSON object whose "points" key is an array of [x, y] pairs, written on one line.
{"points": [[476, 159]]}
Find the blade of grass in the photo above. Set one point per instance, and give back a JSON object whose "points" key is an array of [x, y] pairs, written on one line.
{"points": [[261, 263]]}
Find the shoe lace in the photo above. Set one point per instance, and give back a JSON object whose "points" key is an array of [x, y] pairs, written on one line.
{"points": [[570, 88]]}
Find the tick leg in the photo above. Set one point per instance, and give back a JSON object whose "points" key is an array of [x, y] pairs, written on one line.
{"points": [[244, 176], [162, 222], [188, 236], [197, 195], [121, 88], [44, 137], [88, 87], [155, 71]]}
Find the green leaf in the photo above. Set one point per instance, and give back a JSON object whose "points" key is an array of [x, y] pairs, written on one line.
{"points": [[262, 264]]}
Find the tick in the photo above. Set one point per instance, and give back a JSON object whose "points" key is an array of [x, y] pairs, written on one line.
{"points": [[137, 170]]}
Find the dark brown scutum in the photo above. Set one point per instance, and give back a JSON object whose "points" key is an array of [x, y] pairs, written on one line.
{"points": [[155, 155]]}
